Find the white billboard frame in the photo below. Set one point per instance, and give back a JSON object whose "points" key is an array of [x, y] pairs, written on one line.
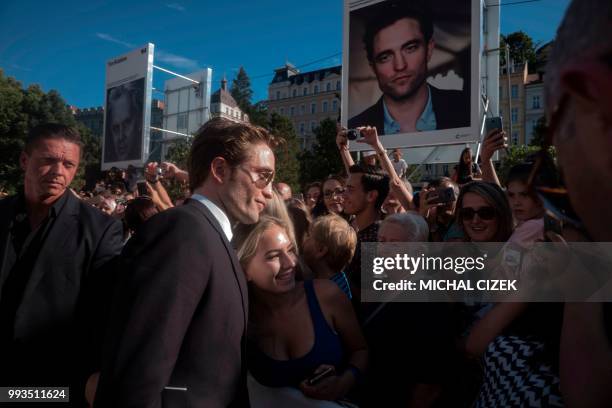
{"points": [[443, 137], [123, 71]]}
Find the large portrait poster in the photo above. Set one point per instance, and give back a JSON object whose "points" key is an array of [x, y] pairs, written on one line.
{"points": [[127, 110], [411, 69]]}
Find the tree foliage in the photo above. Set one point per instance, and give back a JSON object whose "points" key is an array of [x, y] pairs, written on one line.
{"points": [[241, 90], [287, 165], [324, 159], [20, 111], [522, 49]]}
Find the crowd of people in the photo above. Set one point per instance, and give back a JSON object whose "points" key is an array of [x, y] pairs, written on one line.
{"points": [[240, 292]]}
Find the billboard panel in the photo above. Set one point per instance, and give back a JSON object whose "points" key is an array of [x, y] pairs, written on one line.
{"points": [[127, 112], [411, 69]]}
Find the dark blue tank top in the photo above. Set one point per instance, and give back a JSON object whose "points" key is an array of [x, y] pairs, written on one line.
{"points": [[327, 349]]}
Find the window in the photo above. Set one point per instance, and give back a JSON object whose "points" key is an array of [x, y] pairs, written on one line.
{"points": [[337, 85], [282, 111], [292, 110], [514, 91], [514, 115], [313, 125], [334, 105], [328, 87], [294, 93], [313, 108], [536, 102], [277, 94], [302, 109], [316, 89], [304, 91], [324, 106], [302, 128], [501, 92], [428, 168], [445, 170], [515, 138], [181, 121]]}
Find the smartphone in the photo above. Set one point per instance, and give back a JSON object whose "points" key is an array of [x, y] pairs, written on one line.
{"points": [[299, 196], [441, 196], [494, 123], [314, 379], [142, 188]]}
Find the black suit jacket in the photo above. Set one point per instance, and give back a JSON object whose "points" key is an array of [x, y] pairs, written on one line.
{"points": [[179, 317], [452, 110], [61, 313]]}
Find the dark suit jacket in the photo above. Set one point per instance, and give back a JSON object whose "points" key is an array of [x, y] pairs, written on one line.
{"points": [[60, 316], [451, 108], [179, 317]]}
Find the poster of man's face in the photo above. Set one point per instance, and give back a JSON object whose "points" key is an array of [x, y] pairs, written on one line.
{"points": [[413, 70], [124, 120]]}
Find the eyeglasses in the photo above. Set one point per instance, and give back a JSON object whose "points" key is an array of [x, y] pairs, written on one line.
{"points": [[332, 193], [484, 213], [262, 179]]}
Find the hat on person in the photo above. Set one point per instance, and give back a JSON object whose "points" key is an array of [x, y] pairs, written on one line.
{"points": [[368, 153]]}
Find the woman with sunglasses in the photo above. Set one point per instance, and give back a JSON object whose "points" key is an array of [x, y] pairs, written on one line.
{"points": [[332, 199]]}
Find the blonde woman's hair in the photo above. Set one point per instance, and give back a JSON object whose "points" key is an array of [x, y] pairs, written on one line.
{"points": [[247, 237], [277, 208], [337, 235]]}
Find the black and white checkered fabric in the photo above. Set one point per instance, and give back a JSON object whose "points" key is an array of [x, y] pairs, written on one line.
{"points": [[515, 375]]}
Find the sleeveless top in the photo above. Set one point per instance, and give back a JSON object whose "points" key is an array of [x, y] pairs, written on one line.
{"points": [[327, 349]]}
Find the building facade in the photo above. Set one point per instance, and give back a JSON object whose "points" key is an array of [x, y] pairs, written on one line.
{"points": [[306, 98], [512, 101], [187, 104], [534, 107], [223, 104], [92, 119]]}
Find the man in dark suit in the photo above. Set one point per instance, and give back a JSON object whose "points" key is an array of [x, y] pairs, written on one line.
{"points": [[177, 334], [399, 44], [55, 256]]}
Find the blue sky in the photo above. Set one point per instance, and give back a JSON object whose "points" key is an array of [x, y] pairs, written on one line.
{"points": [[63, 45]]}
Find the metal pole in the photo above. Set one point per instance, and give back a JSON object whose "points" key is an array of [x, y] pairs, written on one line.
{"points": [[509, 89], [170, 131]]}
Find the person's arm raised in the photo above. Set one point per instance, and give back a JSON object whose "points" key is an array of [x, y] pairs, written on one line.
{"points": [[343, 147], [370, 137], [495, 140]]}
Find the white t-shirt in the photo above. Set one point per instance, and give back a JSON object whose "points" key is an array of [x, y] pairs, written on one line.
{"points": [[400, 167]]}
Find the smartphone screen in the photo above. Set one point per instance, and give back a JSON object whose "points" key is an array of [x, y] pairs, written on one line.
{"points": [[142, 188]]}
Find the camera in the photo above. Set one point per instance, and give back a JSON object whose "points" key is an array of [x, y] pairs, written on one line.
{"points": [[353, 134]]}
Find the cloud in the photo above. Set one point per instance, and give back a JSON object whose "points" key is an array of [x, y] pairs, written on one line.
{"points": [[176, 61], [110, 38], [175, 6]]}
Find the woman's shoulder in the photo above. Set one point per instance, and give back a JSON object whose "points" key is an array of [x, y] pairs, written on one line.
{"points": [[328, 293]]}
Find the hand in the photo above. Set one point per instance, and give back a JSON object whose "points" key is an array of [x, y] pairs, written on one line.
{"points": [[341, 139], [370, 136], [150, 172], [495, 140], [170, 169], [151, 192], [329, 388]]}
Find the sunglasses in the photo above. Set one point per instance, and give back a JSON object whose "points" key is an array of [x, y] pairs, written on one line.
{"points": [[484, 213], [332, 193], [262, 179]]}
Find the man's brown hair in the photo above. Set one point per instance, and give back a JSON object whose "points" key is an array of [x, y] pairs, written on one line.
{"points": [[52, 131], [222, 138]]}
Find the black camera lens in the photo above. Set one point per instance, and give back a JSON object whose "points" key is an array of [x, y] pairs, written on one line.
{"points": [[352, 134]]}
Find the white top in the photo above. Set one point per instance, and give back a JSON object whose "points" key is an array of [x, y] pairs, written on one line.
{"points": [[217, 213]]}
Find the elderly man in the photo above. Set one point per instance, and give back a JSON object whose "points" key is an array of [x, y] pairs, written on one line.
{"points": [[56, 256], [178, 332], [578, 87]]}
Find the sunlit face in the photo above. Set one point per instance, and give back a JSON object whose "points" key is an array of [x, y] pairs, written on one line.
{"points": [[370, 160], [467, 156], [333, 196], [524, 206], [312, 196], [123, 126], [400, 57], [272, 269], [241, 197], [355, 200], [107, 206], [477, 228], [391, 205], [49, 169], [397, 155]]}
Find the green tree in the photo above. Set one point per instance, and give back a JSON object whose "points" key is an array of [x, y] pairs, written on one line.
{"points": [[522, 49], [324, 158], [516, 155], [287, 165], [21, 110], [241, 90]]}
